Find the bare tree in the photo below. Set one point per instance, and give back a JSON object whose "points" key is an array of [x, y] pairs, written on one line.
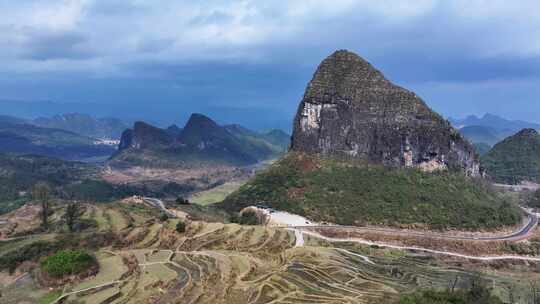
{"points": [[511, 289], [535, 299], [41, 194], [72, 215], [454, 283]]}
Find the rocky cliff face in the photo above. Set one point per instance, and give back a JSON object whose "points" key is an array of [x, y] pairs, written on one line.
{"points": [[201, 140], [143, 136], [350, 109]]}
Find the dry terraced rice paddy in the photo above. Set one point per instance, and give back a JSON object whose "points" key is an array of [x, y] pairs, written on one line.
{"points": [[229, 263]]}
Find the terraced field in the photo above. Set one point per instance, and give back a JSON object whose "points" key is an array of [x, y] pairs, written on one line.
{"points": [[230, 263], [216, 194]]}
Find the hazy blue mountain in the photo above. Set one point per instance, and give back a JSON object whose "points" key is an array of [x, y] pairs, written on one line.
{"points": [[160, 114], [495, 122], [200, 140], [481, 134], [17, 138], [85, 125], [12, 119], [482, 148], [174, 130]]}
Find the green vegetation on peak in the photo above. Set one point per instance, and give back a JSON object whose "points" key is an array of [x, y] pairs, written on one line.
{"points": [[356, 193], [515, 159]]}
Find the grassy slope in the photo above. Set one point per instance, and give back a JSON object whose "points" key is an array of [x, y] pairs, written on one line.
{"points": [[329, 190], [214, 195]]}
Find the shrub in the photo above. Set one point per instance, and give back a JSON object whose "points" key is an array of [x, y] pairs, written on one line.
{"points": [[181, 227], [33, 251], [67, 262], [163, 217], [477, 293], [249, 218], [182, 201], [533, 199]]}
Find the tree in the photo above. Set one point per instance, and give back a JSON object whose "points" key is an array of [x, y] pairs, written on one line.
{"points": [[182, 201], [163, 217], [41, 193], [181, 227], [72, 215], [535, 298], [249, 218]]}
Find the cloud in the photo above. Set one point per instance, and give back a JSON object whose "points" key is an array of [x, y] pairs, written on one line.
{"points": [[255, 30], [56, 45], [261, 53]]}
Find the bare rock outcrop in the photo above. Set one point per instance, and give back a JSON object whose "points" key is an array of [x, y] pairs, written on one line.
{"points": [[350, 109]]}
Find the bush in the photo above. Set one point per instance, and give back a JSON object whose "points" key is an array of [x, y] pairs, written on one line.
{"points": [[478, 293], [533, 199], [181, 227], [163, 217], [249, 218], [182, 201], [67, 262], [33, 251]]}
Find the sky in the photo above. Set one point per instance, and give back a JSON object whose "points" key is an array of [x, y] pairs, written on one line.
{"points": [[249, 61]]}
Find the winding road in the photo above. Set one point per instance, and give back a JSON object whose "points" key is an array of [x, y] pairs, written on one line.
{"points": [[300, 231], [532, 222], [160, 205]]}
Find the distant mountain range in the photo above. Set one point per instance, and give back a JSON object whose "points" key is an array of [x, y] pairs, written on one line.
{"points": [[22, 138], [78, 136], [83, 124], [490, 129], [200, 141], [163, 112], [109, 128], [495, 122]]}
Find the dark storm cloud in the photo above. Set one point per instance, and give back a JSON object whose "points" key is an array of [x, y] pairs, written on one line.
{"points": [[56, 45], [236, 58]]}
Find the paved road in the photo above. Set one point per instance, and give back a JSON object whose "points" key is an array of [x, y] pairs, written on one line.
{"points": [[159, 204], [413, 248], [532, 222]]}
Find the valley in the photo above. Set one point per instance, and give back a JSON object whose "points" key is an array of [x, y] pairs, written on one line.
{"points": [[375, 198]]}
